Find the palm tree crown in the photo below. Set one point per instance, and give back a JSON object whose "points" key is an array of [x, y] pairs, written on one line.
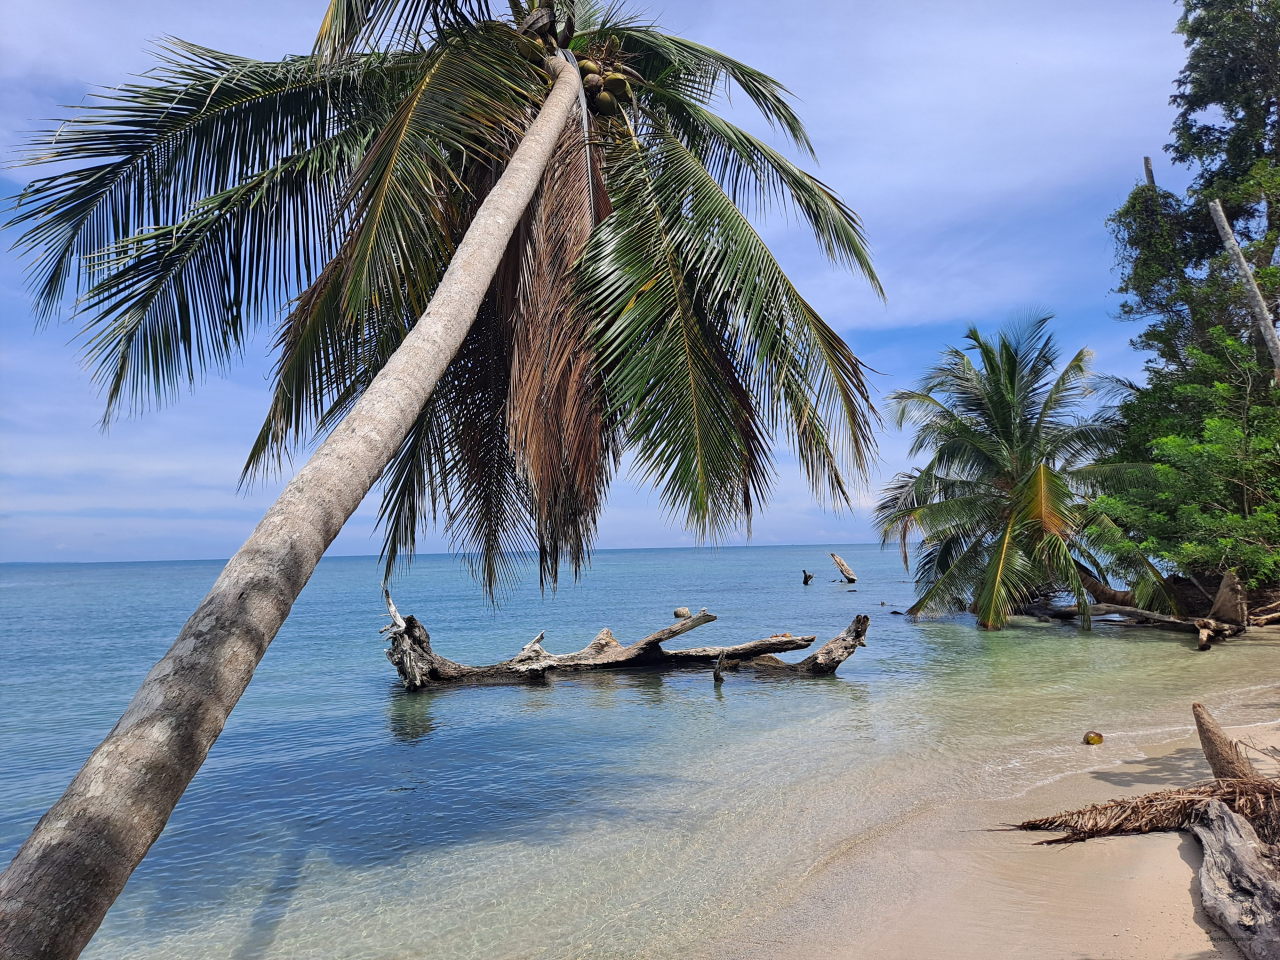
{"points": [[637, 310], [1002, 505]]}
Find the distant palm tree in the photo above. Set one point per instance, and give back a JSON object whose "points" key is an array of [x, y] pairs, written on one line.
{"points": [[497, 275], [1002, 506]]}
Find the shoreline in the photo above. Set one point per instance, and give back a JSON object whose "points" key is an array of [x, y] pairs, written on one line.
{"points": [[966, 889]]}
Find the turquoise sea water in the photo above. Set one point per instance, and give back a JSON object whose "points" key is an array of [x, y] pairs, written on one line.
{"points": [[614, 816]]}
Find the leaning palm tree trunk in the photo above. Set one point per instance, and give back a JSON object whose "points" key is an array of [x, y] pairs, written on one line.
{"points": [[60, 885]]}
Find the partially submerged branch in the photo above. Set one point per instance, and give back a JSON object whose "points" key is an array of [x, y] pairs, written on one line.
{"points": [[1206, 629], [420, 666], [846, 571]]}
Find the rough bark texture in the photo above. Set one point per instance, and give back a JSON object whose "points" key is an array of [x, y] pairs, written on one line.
{"points": [[1226, 759], [827, 658], [845, 570], [1239, 882], [1266, 324], [420, 667], [1103, 592], [66, 875], [1231, 604]]}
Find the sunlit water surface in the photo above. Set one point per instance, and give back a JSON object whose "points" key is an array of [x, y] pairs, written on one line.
{"points": [[604, 816]]}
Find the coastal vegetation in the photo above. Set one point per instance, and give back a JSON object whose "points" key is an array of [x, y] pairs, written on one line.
{"points": [[1176, 488], [1003, 505], [491, 294]]}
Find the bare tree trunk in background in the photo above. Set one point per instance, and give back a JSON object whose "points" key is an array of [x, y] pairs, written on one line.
{"points": [[65, 877], [1257, 304]]}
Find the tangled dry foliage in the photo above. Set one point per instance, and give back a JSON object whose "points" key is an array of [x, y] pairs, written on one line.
{"points": [[1257, 800]]}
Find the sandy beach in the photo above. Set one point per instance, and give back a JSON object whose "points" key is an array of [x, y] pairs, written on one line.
{"points": [[963, 889]]}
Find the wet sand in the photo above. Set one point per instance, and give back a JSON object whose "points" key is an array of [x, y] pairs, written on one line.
{"points": [[961, 888]]}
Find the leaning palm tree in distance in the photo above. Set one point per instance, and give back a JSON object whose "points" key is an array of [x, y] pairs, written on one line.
{"points": [[1002, 508], [506, 252]]}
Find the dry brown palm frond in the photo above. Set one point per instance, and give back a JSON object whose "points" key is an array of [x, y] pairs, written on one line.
{"points": [[1257, 800], [557, 414]]}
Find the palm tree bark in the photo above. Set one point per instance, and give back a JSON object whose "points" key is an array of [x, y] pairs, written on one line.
{"points": [[55, 893]]}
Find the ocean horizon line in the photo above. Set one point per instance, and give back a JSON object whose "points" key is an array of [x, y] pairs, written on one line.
{"points": [[456, 555]]}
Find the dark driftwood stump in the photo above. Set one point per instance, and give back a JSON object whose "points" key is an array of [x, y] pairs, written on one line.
{"points": [[420, 667]]}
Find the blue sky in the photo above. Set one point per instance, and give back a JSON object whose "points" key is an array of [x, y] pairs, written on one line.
{"points": [[983, 144]]}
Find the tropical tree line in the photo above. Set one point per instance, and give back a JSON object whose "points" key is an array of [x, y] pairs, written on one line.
{"points": [[1031, 488]]}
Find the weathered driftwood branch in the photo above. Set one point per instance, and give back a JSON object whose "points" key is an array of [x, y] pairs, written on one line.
{"points": [[1239, 883], [845, 570], [1231, 604], [1226, 760], [1207, 630], [827, 658], [1237, 819], [420, 666]]}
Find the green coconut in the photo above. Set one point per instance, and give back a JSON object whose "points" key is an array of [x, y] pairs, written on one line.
{"points": [[588, 66], [616, 84], [605, 103], [592, 83]]}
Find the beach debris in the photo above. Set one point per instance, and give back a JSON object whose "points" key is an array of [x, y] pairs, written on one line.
{"points": [[808, 577], [1235, 816], [1239, 888], [1092, 738], [717, 672], [681, 612], [1226, 759], [1231, 603], [420, 667], [845, 570], [1208, 631]]}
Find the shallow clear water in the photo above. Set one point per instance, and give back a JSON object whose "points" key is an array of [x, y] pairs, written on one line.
{"points": [[610, 816]]}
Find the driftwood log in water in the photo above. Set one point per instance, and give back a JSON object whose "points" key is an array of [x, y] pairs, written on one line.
{"points": [[421, 667], [1207, 631], [845, 570], [1236, 817]]}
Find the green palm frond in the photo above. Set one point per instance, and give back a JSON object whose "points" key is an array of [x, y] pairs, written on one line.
{"points": [[1002, 506], [636, 309], [707, 345], [211, 197], [358, 25]]}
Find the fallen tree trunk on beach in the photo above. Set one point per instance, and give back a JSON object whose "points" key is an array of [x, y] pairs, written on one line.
{"points": [[1207, 630], [1239, 883], [1236, 817], [421, 667]]}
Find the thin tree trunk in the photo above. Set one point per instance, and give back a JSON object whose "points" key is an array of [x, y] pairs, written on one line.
{"points": [[62, 881], [1266, 325]]}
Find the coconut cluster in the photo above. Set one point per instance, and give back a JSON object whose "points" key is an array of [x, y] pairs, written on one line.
{"points": [[607, 86]]}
